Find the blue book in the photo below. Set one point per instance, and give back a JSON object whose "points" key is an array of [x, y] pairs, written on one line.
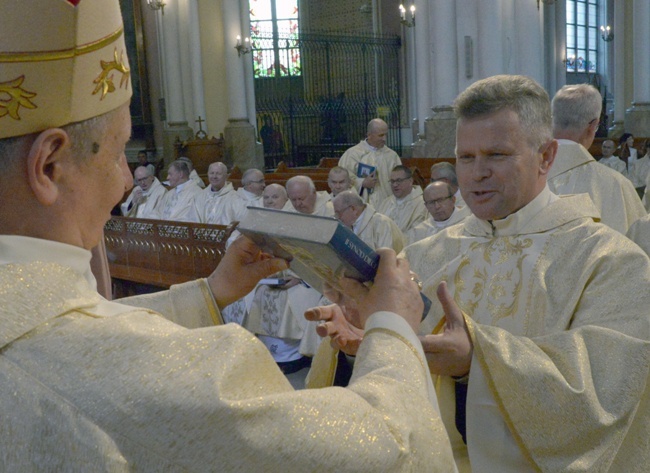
{"points": [[364, 170], [319, 249]]}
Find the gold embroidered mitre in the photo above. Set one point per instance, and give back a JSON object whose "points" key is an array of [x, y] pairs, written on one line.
{"points": [[71, 66]]}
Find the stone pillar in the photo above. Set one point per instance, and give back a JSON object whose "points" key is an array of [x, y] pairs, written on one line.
{"points": [[637, 118], [618, 126], [198, 98], [489, 47], [176, 124], [239, 134], [527, 46], [440, 126], [423, 47]]}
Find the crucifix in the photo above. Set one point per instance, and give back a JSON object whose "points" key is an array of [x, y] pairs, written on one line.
{"points": [[201, 135]]}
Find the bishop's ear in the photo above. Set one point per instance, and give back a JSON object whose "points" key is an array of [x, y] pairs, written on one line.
{"points": [[46, 161]]}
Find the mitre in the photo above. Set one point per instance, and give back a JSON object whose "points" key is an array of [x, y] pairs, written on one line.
{"points": [[61, 61]]}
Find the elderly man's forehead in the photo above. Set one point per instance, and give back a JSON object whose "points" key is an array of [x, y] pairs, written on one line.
{"points": [[436, 191]]}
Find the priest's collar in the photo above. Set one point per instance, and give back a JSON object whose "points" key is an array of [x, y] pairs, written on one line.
{"points": [[21, 249], [514, 223]]}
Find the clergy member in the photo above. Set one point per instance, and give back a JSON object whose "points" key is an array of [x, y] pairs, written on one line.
{"points": [[446, 172], [610, 160], [542, 361], [440, 201], [338, 180], [375, 229], [405, 206], [178, 203], [304, 198], [93, 385], [576, 114], [212, 204], [372, 151], [145, 195]]}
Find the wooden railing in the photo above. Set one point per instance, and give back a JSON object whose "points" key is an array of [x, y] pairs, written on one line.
{"points": [[160, 252]]}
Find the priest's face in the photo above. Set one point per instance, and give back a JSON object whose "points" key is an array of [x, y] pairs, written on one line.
{"points": [[217, 175], [274, 197], [439, 201], [499, 172], [302, 197]]}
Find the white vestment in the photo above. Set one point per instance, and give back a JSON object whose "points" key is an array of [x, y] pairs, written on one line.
{"points": [[558, 380], [178, 203], [378, 231], [214, 207], [146, 208], [92, 385], [615, 163], [406, 212], [639, 233], [431, 227], [383, 159], [237, 207], [322, 208], [575, 171], [194, 176]]}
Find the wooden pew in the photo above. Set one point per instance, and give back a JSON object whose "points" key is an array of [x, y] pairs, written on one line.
{"points": [[161, 252]]}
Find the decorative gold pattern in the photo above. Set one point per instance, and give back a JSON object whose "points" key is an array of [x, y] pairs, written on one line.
{"points": [[18, 97], [80, 50], [105, 79], [504, 287]]}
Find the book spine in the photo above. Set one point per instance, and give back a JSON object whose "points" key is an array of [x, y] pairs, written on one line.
{"points": [[355, 252]]}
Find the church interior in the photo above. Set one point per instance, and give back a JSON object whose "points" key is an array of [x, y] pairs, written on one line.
{"points": [[297, 80]]}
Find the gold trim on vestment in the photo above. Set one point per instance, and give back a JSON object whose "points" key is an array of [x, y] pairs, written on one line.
{"points": [[40, 56], [215, 313]]}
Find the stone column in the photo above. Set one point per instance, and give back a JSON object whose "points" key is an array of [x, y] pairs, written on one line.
{"points": [[489, 47], [239, 134], [637, 118], [440, 126], [423, 47], [527, 46], [176, 124], [618, 126]]}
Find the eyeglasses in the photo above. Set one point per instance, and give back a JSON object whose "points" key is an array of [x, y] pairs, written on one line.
{"points": [[398, 180], [144, 179], [261, 181], [437, 201]]}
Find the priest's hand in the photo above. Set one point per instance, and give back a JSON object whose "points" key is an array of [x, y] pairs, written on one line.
{"points": [[344, 336], [393, 290], [370, 181], [450, 352], [240, 269]]}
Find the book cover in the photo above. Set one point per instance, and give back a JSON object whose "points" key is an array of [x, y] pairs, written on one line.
{"points": [[364, 170], [320, 249]]}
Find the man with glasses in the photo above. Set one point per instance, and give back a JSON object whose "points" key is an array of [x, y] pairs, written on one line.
{"points": [[440, 202], [446, 172], [249, 194], [145, 195], [576, 111], [405, 207]]}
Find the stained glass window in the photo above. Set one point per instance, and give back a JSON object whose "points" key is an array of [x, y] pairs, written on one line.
{"points": [[274, 38], [581, 35]]}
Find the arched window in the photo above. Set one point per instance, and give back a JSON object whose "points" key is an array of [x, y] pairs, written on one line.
{"points": [[274, 38], [581, 35]]}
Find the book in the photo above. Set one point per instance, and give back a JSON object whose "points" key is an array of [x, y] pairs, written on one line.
{"points": [[319, 249], [273, 281], [364, 170]]}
